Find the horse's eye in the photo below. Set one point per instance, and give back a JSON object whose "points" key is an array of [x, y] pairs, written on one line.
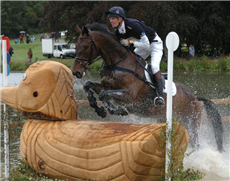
{"points": [[86, 47]]}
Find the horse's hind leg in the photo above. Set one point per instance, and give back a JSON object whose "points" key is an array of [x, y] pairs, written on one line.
{"points": [[92, 100]]}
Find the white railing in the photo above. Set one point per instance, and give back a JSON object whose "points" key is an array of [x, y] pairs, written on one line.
{"points": [[6, 123]]}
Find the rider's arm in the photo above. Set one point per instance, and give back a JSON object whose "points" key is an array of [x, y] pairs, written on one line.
{"points": [[139, 32], [143, 43]]}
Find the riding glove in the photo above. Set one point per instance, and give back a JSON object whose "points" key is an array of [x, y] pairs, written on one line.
{"points": [[126, 42]]}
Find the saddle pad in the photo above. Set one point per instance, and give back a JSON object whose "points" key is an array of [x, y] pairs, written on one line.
{"points": [[174, 90]]}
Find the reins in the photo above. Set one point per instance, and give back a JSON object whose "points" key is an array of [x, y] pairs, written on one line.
{"points": [[91, 52], [112, 66]]}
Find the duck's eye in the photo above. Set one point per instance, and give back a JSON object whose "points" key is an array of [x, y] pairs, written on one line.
{"points": [[35, 94], [24, 76]]}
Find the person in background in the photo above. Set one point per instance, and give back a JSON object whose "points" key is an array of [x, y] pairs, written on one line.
{"points": [[27, 38], [32, 40], [21, 38], [30, 55], [147, 43], [11, 51], [191, 50], [41, 37]]}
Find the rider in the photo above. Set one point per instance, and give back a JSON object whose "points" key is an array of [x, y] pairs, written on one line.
{"points": [[147, 43]]}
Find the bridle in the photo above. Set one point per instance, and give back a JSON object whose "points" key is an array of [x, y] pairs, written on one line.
{"points": [[91, 51], [93, 44]]}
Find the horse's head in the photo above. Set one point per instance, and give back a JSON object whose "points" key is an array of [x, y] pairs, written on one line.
{"points": [[86, 52]]}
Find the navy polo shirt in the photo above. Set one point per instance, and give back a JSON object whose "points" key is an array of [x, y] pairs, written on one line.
{"points": [[135, 28]]}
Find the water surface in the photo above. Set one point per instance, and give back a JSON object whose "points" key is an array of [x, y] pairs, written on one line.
{"points": [[207, 159]]}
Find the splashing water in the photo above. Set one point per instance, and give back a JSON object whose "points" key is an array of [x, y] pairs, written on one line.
{"points": [[207, 159]]}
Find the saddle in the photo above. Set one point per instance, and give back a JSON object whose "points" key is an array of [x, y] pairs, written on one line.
{"points": [[148, 68]]}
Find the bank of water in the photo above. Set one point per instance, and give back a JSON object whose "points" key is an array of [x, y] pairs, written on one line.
{"points": [[215, 165]]}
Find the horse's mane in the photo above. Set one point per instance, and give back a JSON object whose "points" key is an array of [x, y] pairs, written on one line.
{"points": [[102, 28]]}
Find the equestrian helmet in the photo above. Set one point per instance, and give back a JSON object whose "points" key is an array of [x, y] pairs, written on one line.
{"points": [[116, 11]]}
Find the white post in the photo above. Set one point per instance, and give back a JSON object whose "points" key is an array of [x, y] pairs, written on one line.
{"points": [[6, 123], [172, 42]]}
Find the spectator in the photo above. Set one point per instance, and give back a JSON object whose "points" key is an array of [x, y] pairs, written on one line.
{"points": [[27, 38], [191, 50], [21, 38], [16, 41], [41, 37], [11, 51], [32, 39], [30, 55]]}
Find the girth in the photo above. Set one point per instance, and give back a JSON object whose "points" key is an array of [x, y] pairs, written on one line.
{"points": [[113, 68]]}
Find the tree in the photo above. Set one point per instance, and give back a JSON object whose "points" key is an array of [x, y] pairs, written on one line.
{"points": [[196, 23], [20, 15], [65, 15]]}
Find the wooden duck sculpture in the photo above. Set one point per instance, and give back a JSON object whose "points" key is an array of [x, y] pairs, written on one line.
{"points": [[58, 145]]}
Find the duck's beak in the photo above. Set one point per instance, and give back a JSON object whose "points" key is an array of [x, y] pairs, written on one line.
{"points": [[9, 96]]}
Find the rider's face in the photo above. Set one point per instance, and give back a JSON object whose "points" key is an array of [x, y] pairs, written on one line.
{"points": [[115, 21]]}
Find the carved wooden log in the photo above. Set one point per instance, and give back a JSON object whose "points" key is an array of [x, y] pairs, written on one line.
{"points": [[79, 149], [46, 92]]}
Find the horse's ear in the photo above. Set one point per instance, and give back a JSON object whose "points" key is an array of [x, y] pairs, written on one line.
{"points": [[85, 31], [78, 29]]}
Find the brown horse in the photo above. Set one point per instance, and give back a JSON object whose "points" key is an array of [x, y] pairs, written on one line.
{"points": [[123, 80]]}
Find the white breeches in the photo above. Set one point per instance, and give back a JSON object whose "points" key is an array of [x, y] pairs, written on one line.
{"points": [[155, 50]]}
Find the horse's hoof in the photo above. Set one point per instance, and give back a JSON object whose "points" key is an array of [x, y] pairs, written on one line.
{"points": [[122, 111], [86, 85], [102, 95], [160, 106], [101, 112], [159, 102]]}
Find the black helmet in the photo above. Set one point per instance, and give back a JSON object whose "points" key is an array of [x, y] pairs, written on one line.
{"points": [[116, 11]]}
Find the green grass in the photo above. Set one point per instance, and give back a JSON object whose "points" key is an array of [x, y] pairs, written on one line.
{"points": [[20, 50], [19, 60]]}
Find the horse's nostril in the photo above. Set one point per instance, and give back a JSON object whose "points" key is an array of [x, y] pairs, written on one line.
{"points": [[78, 74]]}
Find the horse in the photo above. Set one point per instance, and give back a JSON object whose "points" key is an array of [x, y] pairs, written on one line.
{"points": [[123, 80]]}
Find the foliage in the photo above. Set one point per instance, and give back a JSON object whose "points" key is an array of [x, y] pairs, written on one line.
{"points": [[65, 15], [224, 64], [199, 23], [206, 25], [19, 60], [177, 174], [26, 173], [21, 15]]}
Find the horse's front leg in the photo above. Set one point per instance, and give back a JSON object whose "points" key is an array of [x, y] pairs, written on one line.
{"points": [[96, 87], [119, 95]]}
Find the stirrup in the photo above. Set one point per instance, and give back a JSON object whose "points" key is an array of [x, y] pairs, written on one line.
{"points": [[159, 106]]}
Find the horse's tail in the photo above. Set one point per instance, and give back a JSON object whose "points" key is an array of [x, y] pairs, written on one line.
{"points": [[214, 116]]}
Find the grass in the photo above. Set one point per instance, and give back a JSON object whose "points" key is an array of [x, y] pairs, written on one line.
{"points": [[19, 60]]}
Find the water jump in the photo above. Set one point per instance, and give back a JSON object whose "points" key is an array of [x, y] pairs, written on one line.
{"points": [[57, 144], [123, 80]]}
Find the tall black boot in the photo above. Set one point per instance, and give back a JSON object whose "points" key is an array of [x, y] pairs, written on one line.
{"points": [[159, 100]]}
